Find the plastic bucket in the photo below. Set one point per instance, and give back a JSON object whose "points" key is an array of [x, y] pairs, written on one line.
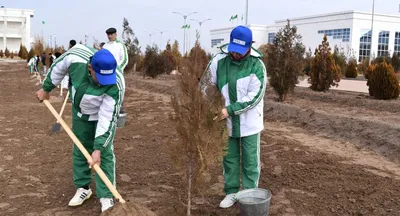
{"points": [[121, 120], [254, 202]]}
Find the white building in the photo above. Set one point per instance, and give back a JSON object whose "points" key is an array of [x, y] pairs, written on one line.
{"points": [[15, 28], [350, 30]]}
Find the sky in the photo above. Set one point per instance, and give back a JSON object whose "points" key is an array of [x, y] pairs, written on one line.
{"points": [[73, 19]]}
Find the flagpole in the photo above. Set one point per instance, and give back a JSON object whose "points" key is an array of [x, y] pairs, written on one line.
{"points": [[188, 43], [188, 47], [184, 36], [372, 31], [43, 41], [184, 30], [247, 12]]}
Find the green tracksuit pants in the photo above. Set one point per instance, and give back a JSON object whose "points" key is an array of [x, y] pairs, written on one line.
{"points": [[250, 159], [85, 131]]}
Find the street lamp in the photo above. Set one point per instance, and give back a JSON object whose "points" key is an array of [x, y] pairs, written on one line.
{"points": [[150, 34], [184, 30], [200, 23], [161, 32]]}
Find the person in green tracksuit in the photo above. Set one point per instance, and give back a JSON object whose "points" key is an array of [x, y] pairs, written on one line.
{"points": [[240, 75], [97, 91]]}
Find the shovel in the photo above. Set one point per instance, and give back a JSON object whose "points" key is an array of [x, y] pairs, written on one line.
{"points": [[57, 126], [121, 208]]}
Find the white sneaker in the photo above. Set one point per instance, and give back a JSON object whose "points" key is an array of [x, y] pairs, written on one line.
{"points": [[80, 196], [228, 201], [106, 203]]}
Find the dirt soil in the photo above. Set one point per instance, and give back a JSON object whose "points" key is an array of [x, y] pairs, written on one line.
{"points": [[334, 153]]}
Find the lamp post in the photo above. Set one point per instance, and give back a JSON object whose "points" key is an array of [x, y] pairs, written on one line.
{"points": [[49, 41], [372, 30], [161, 32], [200, 23], [86, 37], [184, 30], [150, 34]]}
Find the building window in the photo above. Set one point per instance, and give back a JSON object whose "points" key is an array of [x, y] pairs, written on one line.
{"points": [[365, 46], [343, 34], [397, 43], [215, 42], [383, 43], [271, 37]]}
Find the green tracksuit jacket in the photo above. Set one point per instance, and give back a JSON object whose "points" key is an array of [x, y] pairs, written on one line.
{"points": [[94, 113], [119, 51], [242, 84]]}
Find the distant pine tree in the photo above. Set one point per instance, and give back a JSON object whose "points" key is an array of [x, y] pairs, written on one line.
{"points": [[285, 61], [324, 71]]}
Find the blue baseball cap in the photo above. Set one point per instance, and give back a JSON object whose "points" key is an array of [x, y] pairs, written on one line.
{"points": [[241, 40], [104, 65]]}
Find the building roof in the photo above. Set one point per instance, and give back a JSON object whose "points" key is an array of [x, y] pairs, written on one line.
{"points": [[350, 12], [27, 11], [231, 27]]}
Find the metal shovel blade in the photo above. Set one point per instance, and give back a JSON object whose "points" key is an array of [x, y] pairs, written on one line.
{"points": [[56, 128]]}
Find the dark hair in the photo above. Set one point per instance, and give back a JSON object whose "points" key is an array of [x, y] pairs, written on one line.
{"points": [[57, 54], [72, 43]]}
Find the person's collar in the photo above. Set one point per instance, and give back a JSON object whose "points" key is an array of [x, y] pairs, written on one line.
{"points": [[253, 52], [243, 57]]}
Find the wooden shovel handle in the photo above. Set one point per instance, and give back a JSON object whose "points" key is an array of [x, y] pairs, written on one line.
{"points": [[96, 167], [65, 102]]}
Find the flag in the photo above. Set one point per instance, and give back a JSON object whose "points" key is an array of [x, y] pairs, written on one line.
{"points": [[185, 26], [43, 22], [233, 17], [188, 26]]}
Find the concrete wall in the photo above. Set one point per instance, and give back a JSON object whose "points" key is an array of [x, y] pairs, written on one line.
{"points": [[223, 33], [260, 36], [15, 28], [308, 28]]}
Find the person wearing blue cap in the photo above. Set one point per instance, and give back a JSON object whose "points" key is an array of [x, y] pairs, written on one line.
{"points": [[240, 75], [97, 91]]}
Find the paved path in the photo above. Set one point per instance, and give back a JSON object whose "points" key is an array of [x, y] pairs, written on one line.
{"points": [[344, 85]]}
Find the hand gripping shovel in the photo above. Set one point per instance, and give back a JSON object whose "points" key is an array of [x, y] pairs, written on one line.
{"points": [[121, 208], [57, 126]]}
